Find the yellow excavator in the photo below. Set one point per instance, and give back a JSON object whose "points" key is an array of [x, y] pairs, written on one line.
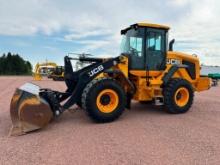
{"points": [[147, 69], [43, 69]]}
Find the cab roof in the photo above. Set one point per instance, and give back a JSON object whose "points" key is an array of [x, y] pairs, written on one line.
{"points": [[145, 24]]}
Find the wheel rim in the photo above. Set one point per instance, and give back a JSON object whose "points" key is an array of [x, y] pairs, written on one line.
{"points": [[182, 96], [107, 101]]}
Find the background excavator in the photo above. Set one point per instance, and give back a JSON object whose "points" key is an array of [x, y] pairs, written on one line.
{"points": [[43, 69], [146, 70], [49, 69]]}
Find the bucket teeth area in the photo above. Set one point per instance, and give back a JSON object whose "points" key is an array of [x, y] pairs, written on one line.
{"points": [[28, 110]]}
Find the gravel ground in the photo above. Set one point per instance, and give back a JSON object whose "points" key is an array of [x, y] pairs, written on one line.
{"points": [[143, 135]]}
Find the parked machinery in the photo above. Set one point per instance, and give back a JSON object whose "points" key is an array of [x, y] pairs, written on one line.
{"points": [[43, 69], [57, 74]]}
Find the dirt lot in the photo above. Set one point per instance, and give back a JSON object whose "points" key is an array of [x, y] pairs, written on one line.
{"points": [[143, 135]]}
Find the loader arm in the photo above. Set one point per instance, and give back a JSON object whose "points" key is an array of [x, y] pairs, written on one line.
{"points": [[76, 82], [33, 107], [86, 75]]}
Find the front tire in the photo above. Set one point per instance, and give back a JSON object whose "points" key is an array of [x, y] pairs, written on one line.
{"points": [[178, 96], [104, 100]]}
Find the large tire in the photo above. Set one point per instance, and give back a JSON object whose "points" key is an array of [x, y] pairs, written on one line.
{"points": [[178, 96], [104, 100]]}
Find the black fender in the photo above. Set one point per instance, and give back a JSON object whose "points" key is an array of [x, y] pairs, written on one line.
{"points": [[86, 75], [167, 76]]}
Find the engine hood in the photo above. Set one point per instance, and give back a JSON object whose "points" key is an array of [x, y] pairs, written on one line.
{"points": [[182, 56]]}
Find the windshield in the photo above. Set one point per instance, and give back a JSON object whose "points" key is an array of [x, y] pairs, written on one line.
{"points": [[132, 42], [133, 45]]}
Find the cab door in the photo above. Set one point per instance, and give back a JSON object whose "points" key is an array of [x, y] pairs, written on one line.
{"points": [[155, 49]]}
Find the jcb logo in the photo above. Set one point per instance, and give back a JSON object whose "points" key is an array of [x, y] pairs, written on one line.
{"points": [[172, 61], [96, 70]]}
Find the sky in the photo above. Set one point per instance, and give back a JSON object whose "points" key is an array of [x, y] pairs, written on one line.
{"points": [[42, 30]]}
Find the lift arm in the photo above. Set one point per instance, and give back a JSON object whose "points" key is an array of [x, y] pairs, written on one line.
{"points": [[76, 82]]}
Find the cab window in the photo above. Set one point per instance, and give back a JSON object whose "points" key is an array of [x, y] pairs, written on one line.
{"points": [[154, 41], [136, 46], [133, 43]]}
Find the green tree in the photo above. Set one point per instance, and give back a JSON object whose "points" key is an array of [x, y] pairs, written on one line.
{"points": [[13, 64]]}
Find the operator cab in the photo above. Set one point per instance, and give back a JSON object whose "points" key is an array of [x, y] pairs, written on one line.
{"points": [[146, 46]]}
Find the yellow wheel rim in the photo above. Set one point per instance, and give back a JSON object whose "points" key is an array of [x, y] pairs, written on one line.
{"points": [[107, 101], [182, 96]]}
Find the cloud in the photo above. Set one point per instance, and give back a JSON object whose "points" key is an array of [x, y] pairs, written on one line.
{"points": [[82, 35], [198, 32], [90, 45], [96, 24]]}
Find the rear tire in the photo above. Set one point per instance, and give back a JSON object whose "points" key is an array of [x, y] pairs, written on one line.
{"points": [[104, 100], [178, 96]]}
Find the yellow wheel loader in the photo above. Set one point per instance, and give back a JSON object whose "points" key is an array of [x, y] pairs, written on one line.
{"points": [[146, 70]]}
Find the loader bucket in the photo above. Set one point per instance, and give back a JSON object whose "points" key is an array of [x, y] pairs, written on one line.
{"points": [[28, 110]]}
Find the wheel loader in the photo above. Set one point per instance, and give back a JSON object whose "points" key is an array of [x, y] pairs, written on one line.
{"points": [[146, 70], [57, 74]]}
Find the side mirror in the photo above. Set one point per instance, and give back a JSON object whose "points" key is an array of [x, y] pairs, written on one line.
{"points": [[171, 45]]}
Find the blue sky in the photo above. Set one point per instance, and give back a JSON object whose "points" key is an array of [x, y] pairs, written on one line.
{"points": [[49, 29]]}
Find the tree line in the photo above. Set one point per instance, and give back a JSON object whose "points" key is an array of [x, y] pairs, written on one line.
{"points": [[14, 64]]}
